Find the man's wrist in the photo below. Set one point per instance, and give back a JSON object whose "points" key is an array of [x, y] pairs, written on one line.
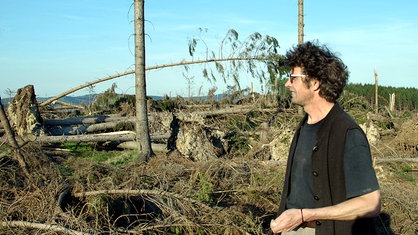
{"points": [[301, 213]]}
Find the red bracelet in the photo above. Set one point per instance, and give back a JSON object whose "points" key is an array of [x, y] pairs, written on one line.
{"points": [[301, 213]]}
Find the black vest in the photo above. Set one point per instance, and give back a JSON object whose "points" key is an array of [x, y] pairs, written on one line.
{"points": [[328, 172]]}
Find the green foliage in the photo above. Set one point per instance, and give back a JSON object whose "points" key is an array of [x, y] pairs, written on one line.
{"points": [[408, 174], [235, 56], [239, 122], [167, 104], [192, 46], [205, 192], [65, 170], [355, 96], [240, 126], [106, 101], [406, 98], [4, 148], [233, 95], [238, 145], [89, 152], [406, 115], [351, 100], [127, 99], [121, 159], [77, 148], [125, 126]]}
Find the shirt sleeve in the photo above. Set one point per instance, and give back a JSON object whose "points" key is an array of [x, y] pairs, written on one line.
{"points": [[360, 177]]}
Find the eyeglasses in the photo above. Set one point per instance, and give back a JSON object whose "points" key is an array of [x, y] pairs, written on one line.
{"points": [[292, 77]]}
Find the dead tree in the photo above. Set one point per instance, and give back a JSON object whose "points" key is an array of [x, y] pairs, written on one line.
{"points": [[23, 112], [12, 141]]}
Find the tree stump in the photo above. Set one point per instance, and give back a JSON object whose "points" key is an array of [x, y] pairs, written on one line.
{"points": [[23, 112], [194, 140]]}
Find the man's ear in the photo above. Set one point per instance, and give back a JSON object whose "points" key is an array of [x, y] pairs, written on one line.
{"points": [[315, 84]]}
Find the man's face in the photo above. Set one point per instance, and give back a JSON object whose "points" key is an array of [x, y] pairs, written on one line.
{"points": [[301, 94]]}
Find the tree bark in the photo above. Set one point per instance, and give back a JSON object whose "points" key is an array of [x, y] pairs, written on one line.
{"points": [[114, 136], [85, 120], [12, 141], [23, 113], [301, 25], [69, 105], [39, 226], [88, 125], [133, 145], [78, 129], [376, 85], [142, 129]]}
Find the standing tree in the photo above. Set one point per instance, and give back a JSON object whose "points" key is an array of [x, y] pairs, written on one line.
{"points": [[142, 131], [376, 92], [301, 25]]}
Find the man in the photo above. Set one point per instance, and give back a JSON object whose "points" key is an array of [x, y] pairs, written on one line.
{"points": [[330, 185]]}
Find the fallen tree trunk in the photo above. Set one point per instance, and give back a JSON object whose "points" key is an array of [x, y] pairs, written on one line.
{"points": [[149, 68], [95, 124], [39, 226], [83, 120], [58, 130], [114, 136], [234, 110], [415, 160], [80, 129], [134, 145], [102, 119], [111, 126], [103, 137], [65, 104]]}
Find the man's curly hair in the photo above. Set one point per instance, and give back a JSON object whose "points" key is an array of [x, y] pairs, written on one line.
{"points": [[321, 64]]}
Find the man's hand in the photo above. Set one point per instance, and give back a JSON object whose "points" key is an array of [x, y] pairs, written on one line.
{"points": [[287, 221], [364, 206]]}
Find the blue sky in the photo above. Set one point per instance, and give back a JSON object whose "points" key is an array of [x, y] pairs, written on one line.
{"points": [[57, 45]]}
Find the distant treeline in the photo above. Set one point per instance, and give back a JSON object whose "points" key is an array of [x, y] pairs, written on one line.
{"points": [[406, 98]]}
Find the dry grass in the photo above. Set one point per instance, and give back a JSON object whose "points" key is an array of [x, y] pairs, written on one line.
{"points": [[169, 194], [173, 195]]}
